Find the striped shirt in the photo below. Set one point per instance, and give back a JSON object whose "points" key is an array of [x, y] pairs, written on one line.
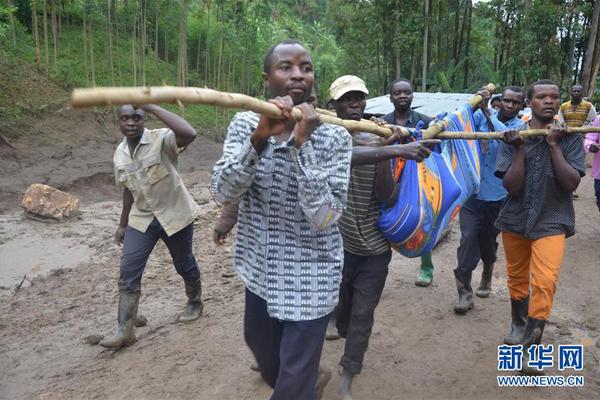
{"points": [[583, 114], [358, 224], [288, 247]]}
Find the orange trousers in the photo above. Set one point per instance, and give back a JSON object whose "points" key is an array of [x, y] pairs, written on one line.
{"points": [[539, 259]]}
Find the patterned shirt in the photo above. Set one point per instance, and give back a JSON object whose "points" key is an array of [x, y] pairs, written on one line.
{"points": [[543, 208], [288, 248], [359, 222], [152, 177], [582, 114]]}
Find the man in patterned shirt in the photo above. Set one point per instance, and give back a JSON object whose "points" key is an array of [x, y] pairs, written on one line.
{"points": [[540, 175], [290, 179], [367, 253]]}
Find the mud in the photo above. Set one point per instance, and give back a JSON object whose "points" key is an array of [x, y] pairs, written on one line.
{"points": [[419, 347]]}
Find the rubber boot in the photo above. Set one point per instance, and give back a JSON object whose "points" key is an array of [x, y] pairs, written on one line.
{"points": [[533, 335], [426, 272], [518, 310], [485, 286], [193, 309], [533, 332], [127, 312], [465, 293], [346, 385]]}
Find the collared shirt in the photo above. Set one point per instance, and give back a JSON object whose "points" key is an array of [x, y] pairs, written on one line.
{"points": [[288, 248], [543, 208], [594, 137], [152, 177], [490, 187], [413, 119], [582, 114], [358, 224]]}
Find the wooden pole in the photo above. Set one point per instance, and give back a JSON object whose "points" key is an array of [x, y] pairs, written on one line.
{"points": [[93, 97], [499, 135], [437, 127]]}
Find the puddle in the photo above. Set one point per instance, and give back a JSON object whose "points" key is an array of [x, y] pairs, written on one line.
{"points": [[35, 248]]}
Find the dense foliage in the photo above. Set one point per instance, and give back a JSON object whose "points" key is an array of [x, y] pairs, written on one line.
{"points": [[221, 43]]}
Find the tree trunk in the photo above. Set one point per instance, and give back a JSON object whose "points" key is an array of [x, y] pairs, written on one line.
{"points": [[36, 35], [110, 52], [46, 51], [398, 62], [166, 57], [92, 64], [85, 50], [54, 32], [182, 51], [466, 76], [133, 49], [143, 40], [207, 58], [156, 56], [595, 68], [586, 75], [12, 26], [425, 47], [221, 40]]}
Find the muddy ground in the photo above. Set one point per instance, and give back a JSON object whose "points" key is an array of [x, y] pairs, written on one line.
{"points": [[419, 348]]}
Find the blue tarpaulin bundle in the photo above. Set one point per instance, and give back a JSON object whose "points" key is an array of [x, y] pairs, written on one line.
{"points": [[431, 193]]}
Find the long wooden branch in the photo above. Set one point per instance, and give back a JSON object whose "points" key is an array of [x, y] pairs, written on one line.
{"points": [[179, 95], [499, 135]]}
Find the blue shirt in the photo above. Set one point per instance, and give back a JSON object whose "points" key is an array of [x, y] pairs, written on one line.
{"points": [[491, 188]]}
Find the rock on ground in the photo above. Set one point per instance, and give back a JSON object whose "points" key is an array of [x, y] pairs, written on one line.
{"points": [[49, 202]]}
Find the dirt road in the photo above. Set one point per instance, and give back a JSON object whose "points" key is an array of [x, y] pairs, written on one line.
{"points": [[419, 348]]}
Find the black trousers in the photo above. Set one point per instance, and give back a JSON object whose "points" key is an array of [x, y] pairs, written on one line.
{"points": [[137, 247], [477, 236], [363, 279], [287, 352]]}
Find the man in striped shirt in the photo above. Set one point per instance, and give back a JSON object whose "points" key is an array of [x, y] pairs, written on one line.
{"points": [[366, 252], [290, 179]]}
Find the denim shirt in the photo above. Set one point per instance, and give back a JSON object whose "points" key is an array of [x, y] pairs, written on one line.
{"points": [[491, 188]]}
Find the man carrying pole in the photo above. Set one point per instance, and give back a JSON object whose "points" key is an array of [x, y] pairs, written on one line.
{"points": [[478, 215], [540, 175], [367, 253], [290, 179]]}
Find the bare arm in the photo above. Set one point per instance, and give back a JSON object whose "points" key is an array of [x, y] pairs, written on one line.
{"points": [[567, 176], [417, 151], [184, 132], [127, 203], [514, 179]]}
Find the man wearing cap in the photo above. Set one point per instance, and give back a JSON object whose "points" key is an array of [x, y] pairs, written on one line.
{"points": [[366, 252]]}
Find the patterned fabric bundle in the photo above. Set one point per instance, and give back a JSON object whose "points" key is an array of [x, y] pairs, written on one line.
{"points": [[430, 193]]}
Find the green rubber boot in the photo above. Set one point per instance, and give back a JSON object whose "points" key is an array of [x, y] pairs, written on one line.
{"points": [[426, 272]]}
